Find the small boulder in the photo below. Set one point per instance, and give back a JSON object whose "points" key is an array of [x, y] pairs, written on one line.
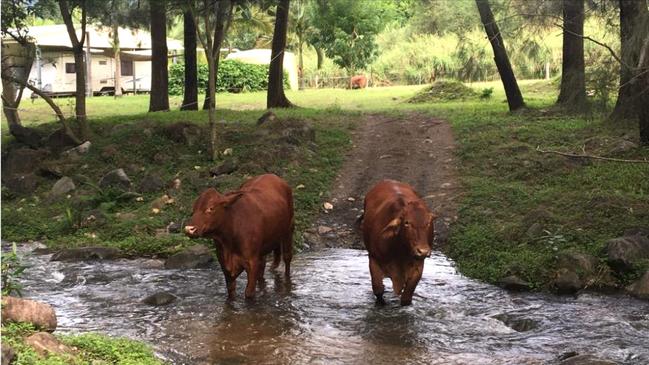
{"points": [[322, 230], [87, 253], [21, 161], [159, 298], [46, 344], [622, 147], [637, 231], [516, 323], [514, 283], [174, 227], [586, 360], [581, 263], [8, 354], [194, 257], [41, 315], [29, 136], [227, 167], [63, 186], [268, 116], [534, 231], [22, 184], [183, 132], [109, 152], [622, 252], [81, 149], [151, 183], [59, 141], [640, 288], [115, 179], [567, 282]]}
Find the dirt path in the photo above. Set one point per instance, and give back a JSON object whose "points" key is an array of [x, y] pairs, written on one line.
{"points": [[412, 148]]}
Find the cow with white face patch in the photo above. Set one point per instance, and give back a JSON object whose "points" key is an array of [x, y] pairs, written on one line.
{"points": [[398, 234]]}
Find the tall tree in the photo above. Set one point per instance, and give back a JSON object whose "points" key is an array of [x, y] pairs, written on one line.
{"points": [[222, 23], [159, 97], [190, 97], [116, 51], [275, 97], [643, 86], [632, 17], [79, 62], [573, 79], [514, 96]]}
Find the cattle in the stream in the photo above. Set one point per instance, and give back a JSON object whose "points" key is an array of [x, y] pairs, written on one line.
{"points": [[398, 234], [246, 225]]}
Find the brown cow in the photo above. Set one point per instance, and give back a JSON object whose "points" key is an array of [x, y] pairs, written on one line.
{"points": [[398, 234], [358, 82], [246, 225]]}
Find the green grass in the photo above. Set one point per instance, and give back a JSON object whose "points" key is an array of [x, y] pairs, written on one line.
{"points": [[90, 349], [507, 183]]}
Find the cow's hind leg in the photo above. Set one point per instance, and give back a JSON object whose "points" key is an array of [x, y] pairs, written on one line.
{"points": [[253, 270], [287, 253], [260, 276], [377, 281], [277, 257], [231, 280]]}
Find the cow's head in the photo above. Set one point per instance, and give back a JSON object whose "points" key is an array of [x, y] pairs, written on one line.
{"points": [[210, 209], [415, 226]]}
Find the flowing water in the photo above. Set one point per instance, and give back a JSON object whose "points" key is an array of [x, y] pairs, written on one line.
{"points": [[326, 315]]}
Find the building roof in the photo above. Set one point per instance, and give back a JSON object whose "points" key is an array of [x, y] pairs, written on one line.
{"points": [[56, 36]]}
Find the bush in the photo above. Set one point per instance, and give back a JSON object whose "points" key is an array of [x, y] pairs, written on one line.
{"points": [[444, 91], [234, 76]]}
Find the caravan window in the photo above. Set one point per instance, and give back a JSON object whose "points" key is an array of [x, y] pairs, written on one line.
{"points": [[69, 68], [127, 68]]}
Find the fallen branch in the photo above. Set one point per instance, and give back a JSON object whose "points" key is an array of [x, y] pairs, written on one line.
{"points": [[573, 155]]}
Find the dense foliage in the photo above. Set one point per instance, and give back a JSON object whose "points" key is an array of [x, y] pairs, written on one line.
{"points": [[234, 76]]}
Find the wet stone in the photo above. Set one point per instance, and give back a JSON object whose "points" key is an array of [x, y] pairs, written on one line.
{"points": [[87, 253], [194, 257], [159, 299], [516, 323], [514, 283], [586, 360]]}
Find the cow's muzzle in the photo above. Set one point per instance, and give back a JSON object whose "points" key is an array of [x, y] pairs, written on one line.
{"points": [[191, 231], [422, 253]]}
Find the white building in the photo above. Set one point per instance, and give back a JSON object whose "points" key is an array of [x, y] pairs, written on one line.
{"points": [[53, 70]]}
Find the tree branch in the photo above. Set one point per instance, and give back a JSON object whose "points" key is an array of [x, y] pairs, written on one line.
{"points": [[617, 58], [572, 155]]}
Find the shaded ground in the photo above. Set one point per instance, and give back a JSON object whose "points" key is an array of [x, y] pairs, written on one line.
{"points": [[412, 148]]}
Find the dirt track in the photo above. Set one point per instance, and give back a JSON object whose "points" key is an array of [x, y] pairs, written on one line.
{"points": [[412, 148]]}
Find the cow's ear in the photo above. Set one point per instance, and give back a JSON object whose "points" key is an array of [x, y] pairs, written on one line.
{"points": [[230, 199], [392, 229]]}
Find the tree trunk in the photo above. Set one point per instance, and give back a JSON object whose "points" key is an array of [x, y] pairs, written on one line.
{"points": [[514, 96], [320, 53], [79, 64], [642, 72], [631, 15], [223, 17], [190, 97], [211, 87], [573, 79], [300, 62], [159, 98], [118, 61], [276, 97]]}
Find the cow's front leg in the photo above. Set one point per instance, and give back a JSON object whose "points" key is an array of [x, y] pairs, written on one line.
{"points": [[253, 271], [260, 276], [231, 280], [412, 279], [377, 280]]}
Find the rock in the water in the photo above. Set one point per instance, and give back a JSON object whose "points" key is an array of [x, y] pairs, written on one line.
{"points": [[516, 323], [63, 186], [586, 360], [8, 354], [46, 344], [21, 161], [159, 298], [268, 116], [41, 315], [59, 141], [151, 183], [115, 179], [567, 282], [227, 167], [640, 289], [623, 146], [622, 252], [87, 253], [194, 257], [514, 283], [183, 132], [22, 184]]}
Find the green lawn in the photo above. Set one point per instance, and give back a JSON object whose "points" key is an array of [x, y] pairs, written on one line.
{"points": [[508, 184]]}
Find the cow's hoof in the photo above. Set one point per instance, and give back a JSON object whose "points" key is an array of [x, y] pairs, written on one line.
{"points": [[405, 302], [380, 300]]}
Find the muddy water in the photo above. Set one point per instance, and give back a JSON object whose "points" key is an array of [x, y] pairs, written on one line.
{"points": [[326, 315]]}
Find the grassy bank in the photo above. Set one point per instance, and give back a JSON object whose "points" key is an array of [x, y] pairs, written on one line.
{"points": [[86, 349], [508, 186]]}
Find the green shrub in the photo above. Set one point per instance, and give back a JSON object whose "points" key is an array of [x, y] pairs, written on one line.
{"points": [[234, 76], [444, 91]]}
